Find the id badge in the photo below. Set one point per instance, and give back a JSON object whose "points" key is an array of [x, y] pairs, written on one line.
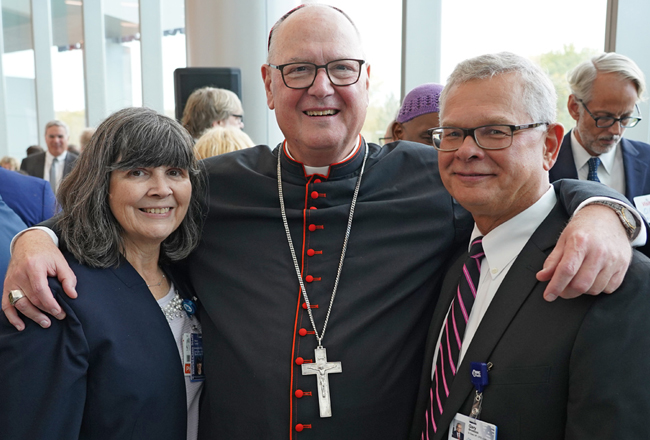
{"points": [[193, 356], [466, 428], [642, 204]]}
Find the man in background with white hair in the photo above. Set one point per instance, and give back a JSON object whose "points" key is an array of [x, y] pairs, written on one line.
{"points": [[604, 95]]}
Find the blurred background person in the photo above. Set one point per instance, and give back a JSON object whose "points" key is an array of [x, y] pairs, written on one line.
{"points": [[34, 149], [10, 225], [419, 113], [605, 91], [220, 140], [55, 163], [72, 148], [112, 368], [84, 137], [9, 163], [208, 107], [29, 197]]}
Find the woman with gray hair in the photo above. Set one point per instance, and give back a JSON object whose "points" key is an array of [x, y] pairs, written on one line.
{"points": [[112, 368]]}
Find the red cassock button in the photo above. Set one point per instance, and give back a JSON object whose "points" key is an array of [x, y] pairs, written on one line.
{"points": [[311, 252], [299, 361], [312, 228], [317, 181], [314, 194], [309, 278], [299, 394], [302, 332], [299, 427], [312, 207]]}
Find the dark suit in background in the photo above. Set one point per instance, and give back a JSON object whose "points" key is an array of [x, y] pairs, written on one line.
{"points": [[34, 165], [636, 162], [569, 369], [29, 197]]}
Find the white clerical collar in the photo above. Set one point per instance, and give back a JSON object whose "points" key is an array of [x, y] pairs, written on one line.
{"points": [[323, 171], [581, 156], [504, 243]]}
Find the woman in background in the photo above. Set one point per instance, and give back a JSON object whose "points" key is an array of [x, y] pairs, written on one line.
{"points": [[220, 140]]}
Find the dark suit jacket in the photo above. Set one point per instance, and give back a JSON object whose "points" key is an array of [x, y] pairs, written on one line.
{"points": [[34, 165], [110, 370], [574, 369], [10, 225], [29, 197], [636, 162]]}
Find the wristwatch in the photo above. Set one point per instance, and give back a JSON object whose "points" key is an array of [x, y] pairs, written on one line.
{"points": [[627, 219]]}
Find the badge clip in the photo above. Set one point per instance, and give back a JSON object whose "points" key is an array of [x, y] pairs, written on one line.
{"points": [[479, 372]]}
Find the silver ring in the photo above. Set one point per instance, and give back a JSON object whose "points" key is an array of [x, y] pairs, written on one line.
{"points": [[15, 295]]}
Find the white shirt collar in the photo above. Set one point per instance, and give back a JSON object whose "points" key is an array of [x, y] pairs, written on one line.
{"points": [[505, 242], [49, 157], [581, 156]]}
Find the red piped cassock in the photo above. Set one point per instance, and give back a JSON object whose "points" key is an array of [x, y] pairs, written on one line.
{"points": [[257, 330]]}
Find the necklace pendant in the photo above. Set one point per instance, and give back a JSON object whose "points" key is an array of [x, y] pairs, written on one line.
{"points": [[321, 368]]}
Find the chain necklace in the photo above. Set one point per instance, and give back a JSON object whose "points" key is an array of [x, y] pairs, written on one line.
{"points": [[159, 282], [320, 368]]}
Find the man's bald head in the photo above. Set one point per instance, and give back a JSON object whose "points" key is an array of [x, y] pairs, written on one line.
{"points": [[277, 24]]}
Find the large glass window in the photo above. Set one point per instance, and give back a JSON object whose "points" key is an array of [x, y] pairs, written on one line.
{"points": [[123, 62], [173, 48], [67, 66], [380, 26], [559, 34], [19, 70]]}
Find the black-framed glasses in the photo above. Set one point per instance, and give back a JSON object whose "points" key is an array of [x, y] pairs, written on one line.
{"points": [[385, 140], [608, 121], [343, 72], [240, 118], [487, 137]]}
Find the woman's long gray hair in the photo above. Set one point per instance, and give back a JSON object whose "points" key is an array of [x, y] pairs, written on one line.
{"points": [[130, 138]]}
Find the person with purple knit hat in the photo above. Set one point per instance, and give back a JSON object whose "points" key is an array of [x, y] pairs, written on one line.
{"points": [[419, 112]]}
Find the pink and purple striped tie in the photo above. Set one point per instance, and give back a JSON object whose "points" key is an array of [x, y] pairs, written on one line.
{"points": [[452, 337]]}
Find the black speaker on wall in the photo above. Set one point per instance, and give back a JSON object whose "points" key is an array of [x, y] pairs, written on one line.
{"points": [[188, 79]]}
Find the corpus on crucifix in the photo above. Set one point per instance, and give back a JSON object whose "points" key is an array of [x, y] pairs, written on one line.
{"points": [[321, 368]]}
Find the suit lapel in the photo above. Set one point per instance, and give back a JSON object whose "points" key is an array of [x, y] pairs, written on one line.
{"points": [[636, 171], [513, 292], [565, 166], [69, 161]]}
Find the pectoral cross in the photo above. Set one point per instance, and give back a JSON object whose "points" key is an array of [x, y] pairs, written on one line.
{"points": [[321, 368]]}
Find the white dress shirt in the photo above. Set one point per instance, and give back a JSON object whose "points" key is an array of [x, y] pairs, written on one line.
{"points": [[59, 167], [502, 245], [610, 173]]}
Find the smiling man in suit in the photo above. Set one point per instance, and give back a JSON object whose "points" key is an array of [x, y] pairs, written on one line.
{"points": [[55, 163], [569, 369], [603, 101]]}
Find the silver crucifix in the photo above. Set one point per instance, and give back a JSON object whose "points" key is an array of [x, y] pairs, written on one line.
{"points": [[321, 368]]}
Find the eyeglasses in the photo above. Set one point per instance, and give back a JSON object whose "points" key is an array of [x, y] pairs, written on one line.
{"points": [[385, 140], [302, 75], [608, 121], [239, 117], [487, 137]]}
